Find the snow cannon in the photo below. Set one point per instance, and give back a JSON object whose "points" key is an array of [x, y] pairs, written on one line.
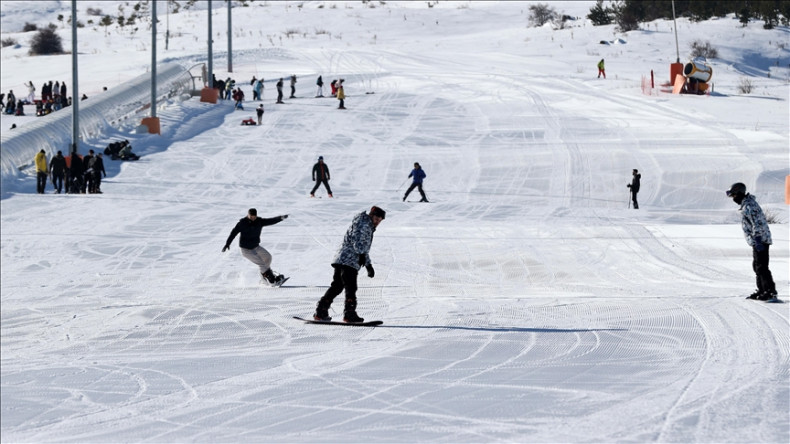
{"points": [[699, 70]]}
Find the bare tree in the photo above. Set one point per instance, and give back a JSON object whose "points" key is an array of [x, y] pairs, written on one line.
{"points": [[541, 14]]}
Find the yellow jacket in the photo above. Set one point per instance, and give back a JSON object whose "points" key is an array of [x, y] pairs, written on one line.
{"points": [[41, 162], [341, 94]]}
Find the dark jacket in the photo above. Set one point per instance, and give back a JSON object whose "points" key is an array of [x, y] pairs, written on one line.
{"points": [[635, 183], [76, 166], [320, 171], [57, 166], [98, 166], [251, 231]]}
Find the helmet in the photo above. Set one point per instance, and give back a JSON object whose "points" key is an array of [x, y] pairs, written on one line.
{"points": [[737, 189]]}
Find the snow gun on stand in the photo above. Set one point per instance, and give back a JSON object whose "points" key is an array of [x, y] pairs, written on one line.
{"points": [[695, 79]]}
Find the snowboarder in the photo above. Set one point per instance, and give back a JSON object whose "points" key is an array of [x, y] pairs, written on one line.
{"points": [[758, 236], [259, 111], [634, 186], [321, 175], [352, 255], [417, 175], [249, 242], [42, 168], [601, 69], [293, 86]]}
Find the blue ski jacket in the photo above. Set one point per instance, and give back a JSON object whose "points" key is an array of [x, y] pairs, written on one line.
{"points": [[418, 174]]}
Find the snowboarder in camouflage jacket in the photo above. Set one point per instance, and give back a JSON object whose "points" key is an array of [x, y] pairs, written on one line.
{"points": [[758, 236], [352, 255]]}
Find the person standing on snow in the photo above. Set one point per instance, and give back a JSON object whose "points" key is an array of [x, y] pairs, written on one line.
{"points": [[352, 255], [57, 171], [249, 242], [42, 169], [321, 176], [341, 94], [280, 90], [259, 111], [601, 69], [417, 175], [258, 89], [758, 236], [293, 86], [634, 186], [320, 84]]}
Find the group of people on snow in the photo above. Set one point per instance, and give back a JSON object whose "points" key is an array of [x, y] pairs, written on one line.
{"points": [[78, 174], [53, 98]]}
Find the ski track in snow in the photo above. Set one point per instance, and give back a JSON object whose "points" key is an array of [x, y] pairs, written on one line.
{"points": [[524, 304]]}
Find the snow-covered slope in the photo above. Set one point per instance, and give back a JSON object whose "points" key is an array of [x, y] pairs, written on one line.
{"points": [[525, 303]]}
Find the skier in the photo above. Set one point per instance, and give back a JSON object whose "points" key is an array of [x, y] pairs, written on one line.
{"points": [[293, 86], [758, 236], [417, 175], [320, 83], [259, 111], [601, 69], [250, 229], [352, 255], [634, 186], [321, 175]]}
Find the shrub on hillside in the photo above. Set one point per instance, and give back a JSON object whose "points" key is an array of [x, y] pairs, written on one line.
{"points": [[703, 49], [29, 27], [8, 42], [745, 86], [46, 41]]}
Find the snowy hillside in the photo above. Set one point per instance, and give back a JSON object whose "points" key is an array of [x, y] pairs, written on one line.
{"points": [[525, 303]]}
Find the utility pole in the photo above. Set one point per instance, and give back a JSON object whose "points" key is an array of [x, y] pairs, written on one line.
{"points": [[75, 91], [210, 52], [230, 41]]}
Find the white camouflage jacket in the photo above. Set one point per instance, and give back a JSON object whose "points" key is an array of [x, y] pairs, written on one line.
{"points": [[753, 222], [357, 241]]}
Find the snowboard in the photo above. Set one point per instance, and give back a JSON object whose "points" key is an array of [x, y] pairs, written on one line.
{"points": [[352, 324], [281, 283], [769, 301]]}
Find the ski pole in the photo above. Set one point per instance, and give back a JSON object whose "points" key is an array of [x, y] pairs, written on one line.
{"points": [[401, 185]]}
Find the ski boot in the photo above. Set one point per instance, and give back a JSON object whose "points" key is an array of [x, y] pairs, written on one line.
{"points": [[352, 318]]}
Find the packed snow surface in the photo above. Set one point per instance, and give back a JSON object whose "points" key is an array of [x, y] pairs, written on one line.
{"points": [[525, 303]]}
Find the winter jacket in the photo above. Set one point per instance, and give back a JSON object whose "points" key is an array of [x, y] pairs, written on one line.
{"points": [[357, 241], [635, 183], [753, 222], [41, 162], [57, 167], [601, 65], [320, 171], [418, 175], [341, 93], [250, 231], [75, 170]]}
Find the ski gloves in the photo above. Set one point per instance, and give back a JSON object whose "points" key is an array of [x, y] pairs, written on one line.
{"points": [[363, 259]]}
